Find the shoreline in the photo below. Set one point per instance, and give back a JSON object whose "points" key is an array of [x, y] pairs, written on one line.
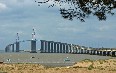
{"points": [[84, 66]]}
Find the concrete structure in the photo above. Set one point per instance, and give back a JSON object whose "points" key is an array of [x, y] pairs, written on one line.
{"points": [[7, 49], [17, 46], [12, 47], [42, 46], [58, 47], [54, 47], [33, 46], [51, 47]]}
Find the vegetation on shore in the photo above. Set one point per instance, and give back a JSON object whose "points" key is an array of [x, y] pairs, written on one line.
{"points": [[86, 66]]}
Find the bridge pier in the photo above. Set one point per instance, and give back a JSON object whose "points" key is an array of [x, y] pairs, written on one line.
{"points": [[104, 53], [33, 46], [42, 50], [74, 49], [79, 50], [17, 46], [108, 53], [58, 47], [49, 44], [12, 47], [63, 47], [7, 49], [55, 47], [87, 51], [100, 53], [67, 48], [93, 52], [46, 47], [113, 53]]}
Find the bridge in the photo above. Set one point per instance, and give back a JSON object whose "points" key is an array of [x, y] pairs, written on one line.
{"points": [[59, 47], [15, 47]]}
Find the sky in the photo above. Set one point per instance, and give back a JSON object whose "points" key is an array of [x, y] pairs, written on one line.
{"points": [[23, 15]]}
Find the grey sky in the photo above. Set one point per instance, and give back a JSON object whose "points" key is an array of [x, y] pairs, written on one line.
{"points": [[22, 15]]}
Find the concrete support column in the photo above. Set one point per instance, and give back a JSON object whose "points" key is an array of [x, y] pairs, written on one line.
{"points": [[111, 53], [55, 47], [52, 46], [76, 50], [100, 52], [93, 52], [72, 50], [7, 49], [58, 47], [69, 48], [86, 51], [90, 51], [114, 53], [46, 46], [33, 46], [12, 47], [108, 53], [104, 53], [62, 48], [17, 46], [81, 51], [65, 46], [42, 46], [49, 44]]}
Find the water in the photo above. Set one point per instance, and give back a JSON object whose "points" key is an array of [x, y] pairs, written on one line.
{"points": [[48, 59]]}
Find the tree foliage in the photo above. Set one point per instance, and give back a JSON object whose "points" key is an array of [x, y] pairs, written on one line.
{"points": [[80, 9]]}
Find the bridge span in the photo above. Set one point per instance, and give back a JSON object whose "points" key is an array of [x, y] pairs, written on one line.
{"points": [[15, 47], [58, 47]]}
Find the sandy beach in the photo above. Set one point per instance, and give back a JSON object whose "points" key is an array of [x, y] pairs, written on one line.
{"points": [[55, 63], [85, 66]]}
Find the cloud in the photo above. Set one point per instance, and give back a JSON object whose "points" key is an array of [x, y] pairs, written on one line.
{"points": [[22, 15], [2, 6]]}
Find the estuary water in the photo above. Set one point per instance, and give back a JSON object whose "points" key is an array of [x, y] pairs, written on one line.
{"points": [[48, 59]]}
